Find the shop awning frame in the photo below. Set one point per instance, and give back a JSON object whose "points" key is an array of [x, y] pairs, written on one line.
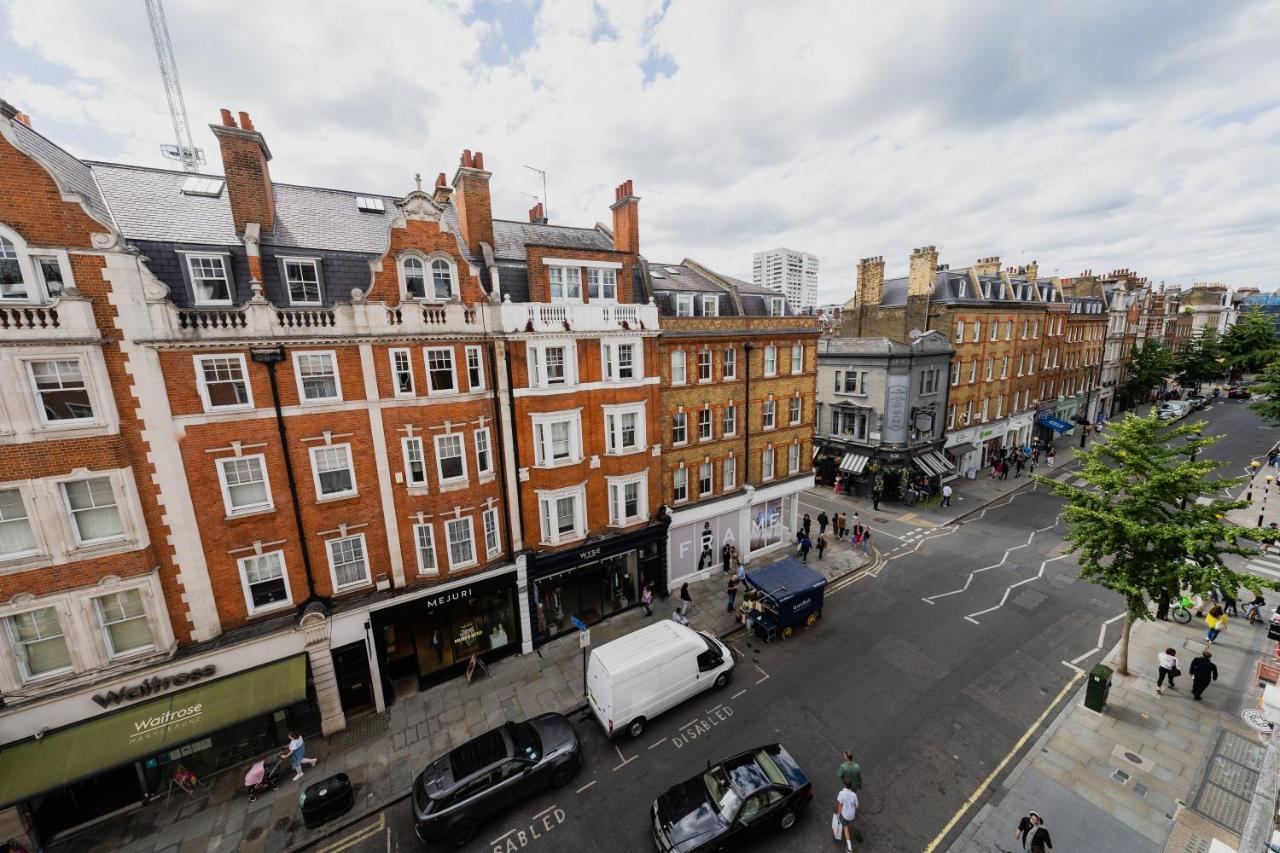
{"points": [[854, 463], [934, 464]]}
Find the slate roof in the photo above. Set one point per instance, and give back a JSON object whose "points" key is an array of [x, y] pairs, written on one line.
{"points": [[947, 288], [669, 279], [510, 238], [71, 174]]}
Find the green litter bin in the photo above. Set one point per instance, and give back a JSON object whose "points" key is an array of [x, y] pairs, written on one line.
{"points": [[1095, 695]]}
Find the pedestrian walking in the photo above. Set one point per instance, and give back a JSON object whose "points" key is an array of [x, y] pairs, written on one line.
{"points": [[1004, 469], [1272, 455], [726, 558], [821, 545], [823, 521], [806, 524], [742, 569], [1203, 670], [866, 540], [1229, 604], [842, 822], [835, 525], [1217, 622], [1035, 454], [733, 592], [803, 553], [856, 536], [686, 600], [850, 772], [876, 493], [856, 520], [1053, 458], [946, 496], [646, 598], [1019, 465], [1032, 462], [1168, 661], [1033, 835], [297, 754]]}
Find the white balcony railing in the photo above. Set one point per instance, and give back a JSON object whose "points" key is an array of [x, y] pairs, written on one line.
{"points": [[577, 317], [259, 319], [68, 317]]}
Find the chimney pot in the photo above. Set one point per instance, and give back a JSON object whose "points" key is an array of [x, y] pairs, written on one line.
{"points": [[227, 120], [466, 158], [246, 123], [478, 160], [24, 118], [626, 219], [441, 180]]}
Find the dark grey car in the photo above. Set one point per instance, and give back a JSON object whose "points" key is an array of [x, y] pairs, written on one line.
{"points": [[491, 773]]}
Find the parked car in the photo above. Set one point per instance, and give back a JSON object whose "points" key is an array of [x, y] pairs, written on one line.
{"points": [[732, 803], [1238, 393], [1172, 410], [491, 773], [1198, 401], [636, 677]]}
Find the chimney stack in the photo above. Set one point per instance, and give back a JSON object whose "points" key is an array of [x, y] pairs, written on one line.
{"points": [[442, 191], [923, 271], [537, 214], [471, 197], [626, 219], [870, 281], [987, 266], [244, 162], [1033, 272]]}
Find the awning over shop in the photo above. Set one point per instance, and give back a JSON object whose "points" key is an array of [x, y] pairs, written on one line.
{"points": [[934, 464], [101, 743], [1054, 423], [854, 463]]}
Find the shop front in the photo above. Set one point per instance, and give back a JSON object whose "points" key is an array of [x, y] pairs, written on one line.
{"points": [[134, 744], [697, 539], [434, 637], [595, 581], [962, 449]]}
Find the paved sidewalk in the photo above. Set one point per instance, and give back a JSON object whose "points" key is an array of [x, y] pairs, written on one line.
{"points": [[382, 753], [1151, 773]]}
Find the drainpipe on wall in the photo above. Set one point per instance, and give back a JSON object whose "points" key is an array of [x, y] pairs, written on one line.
{"points": [[746, 414]]}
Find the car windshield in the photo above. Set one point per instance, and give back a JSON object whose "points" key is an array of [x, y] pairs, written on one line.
{"points": [[726, 799], [525, 742]]}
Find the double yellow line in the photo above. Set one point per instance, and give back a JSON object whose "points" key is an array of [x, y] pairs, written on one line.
{"points": [[864, 572], [356, 837]]}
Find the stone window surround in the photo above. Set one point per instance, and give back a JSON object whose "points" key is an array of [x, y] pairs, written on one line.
{"points": [[21, 420], [36, 293], [427, 259]]}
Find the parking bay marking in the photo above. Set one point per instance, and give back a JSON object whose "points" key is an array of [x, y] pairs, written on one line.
{"points": [[549, 818], [585, 787], [736, 695], [625, 761], [762, 672]]}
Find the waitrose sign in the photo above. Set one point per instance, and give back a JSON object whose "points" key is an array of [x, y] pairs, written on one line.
{"points": [[32, 766]]}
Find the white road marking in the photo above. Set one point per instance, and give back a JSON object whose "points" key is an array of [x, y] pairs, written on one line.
{"points": [[658, 744], [736, 695], [1073, 666], [762, 672], [1003, 560], [1004, 598], [494, 842], [625, 761], [690, 723], [586, 786], [541, 813]]}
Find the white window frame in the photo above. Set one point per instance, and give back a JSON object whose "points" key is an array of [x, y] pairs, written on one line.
{"points": [[462, 457], [23, 672], [313, 452], [770, 356], [705, 359], [729, 422], [710, 479], [314, 263], [793, 458], [26, 516], [89, 392], [119, 504], [730, 470], [475, 370], [613, 428], [425, 273], [797, 410], [730, 363], [777, 306], [440, 258], [223, 261], [682, 417], [679, 376], [547, 500], [797, 364], [407, 452], [767, 470], [684, 304], [406, 370], [605, 279], [618, 498], [611, 363], [977, 331], [680, 485], [231, 509], [248, 592], [482, 441], [333, 569], [423, 568], [568, 279], [960, 331], [542, 441], [706, 417], [449, 526], [955, 374], [537, 363], [489, 525], [713, 302], [768, 408], [332, 355], [203, 389], [453, 371]]}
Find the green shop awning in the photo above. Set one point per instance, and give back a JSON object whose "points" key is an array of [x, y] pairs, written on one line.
{"points": [[32, 766]]}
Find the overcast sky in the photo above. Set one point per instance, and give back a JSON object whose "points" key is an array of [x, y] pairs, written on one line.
{"points": [[1084, 135]]}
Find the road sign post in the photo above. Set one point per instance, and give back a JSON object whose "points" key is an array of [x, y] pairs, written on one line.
{"points": [[584, 643]]}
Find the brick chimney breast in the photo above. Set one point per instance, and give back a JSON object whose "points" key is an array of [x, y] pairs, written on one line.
{"points": [[626, 219], [870, 287], [244, 163], [922, 271], [471, 198]]}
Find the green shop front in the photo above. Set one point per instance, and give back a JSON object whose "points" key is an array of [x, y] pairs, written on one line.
{"points": [[80, 772]]}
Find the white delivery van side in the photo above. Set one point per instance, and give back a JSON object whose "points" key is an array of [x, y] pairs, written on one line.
{"points": [[634, 678]]}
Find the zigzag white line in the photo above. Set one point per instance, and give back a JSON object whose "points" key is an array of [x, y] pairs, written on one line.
{"points": [[1102, 636], [930, 599], [1009, 588]]}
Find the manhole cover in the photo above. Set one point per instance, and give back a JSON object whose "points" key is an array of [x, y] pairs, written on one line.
{"points": [[1134, 757]]}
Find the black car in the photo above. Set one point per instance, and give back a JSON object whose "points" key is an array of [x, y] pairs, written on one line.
{"points": [[734, 801], [491, 773], [1238, 393]]}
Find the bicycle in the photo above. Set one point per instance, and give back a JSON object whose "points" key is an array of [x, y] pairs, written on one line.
{"points": [[1182, 613]]}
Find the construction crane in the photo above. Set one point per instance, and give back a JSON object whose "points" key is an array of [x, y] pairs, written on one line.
{"points": [[185, 152]]}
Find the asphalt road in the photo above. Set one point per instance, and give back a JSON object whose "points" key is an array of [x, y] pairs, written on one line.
{"points": [[931, 671]]}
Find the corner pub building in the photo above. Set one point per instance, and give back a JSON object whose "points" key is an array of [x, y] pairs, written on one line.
{"points": [[275, 455]]}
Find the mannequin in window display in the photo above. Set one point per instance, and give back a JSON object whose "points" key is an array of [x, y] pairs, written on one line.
{"points": [[437, 643], [498, 636]]}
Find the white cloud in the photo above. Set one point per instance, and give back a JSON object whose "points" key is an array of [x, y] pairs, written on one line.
{"points": [[1081, 135]]}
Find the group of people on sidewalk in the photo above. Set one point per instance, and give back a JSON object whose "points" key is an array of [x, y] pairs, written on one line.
{"points": [[858, 535], [1019, 459]]}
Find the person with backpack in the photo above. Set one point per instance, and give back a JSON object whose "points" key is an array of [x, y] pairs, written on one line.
{"points": [[805, 545], [1033, 835]]}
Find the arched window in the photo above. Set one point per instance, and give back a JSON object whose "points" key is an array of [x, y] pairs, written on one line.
{"points": [[11, 283], [441, 279], [415, 281], [30, 275]]}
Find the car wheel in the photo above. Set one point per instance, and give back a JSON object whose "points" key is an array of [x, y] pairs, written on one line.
{"points": [[636, 727], [788, 820], [721, 680], [562, 774], [462, 832]]}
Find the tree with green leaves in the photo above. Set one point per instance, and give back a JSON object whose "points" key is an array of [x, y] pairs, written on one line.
{"points": [[1150, 364], [1138, 528], [1199, 361], [1268, 387], [1251, 343]]}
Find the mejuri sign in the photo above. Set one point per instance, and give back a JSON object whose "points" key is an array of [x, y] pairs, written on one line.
{"points": [[152, 686]]}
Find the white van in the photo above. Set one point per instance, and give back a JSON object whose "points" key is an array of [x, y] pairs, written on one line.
{"points": [[634, 678]]}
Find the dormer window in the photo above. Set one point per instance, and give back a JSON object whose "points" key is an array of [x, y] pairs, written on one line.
{"points": [[684, 304], [710, 306], [210, 279], [776, 306]]}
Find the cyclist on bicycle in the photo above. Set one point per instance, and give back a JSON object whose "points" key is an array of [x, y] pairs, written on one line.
{"points": [[1253, 608]]}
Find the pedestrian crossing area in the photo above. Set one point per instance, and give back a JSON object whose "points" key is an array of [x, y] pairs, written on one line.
{"points": [[1265, 565]]}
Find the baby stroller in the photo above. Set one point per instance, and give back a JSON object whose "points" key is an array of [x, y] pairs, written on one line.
{"points": [[262, 775]]}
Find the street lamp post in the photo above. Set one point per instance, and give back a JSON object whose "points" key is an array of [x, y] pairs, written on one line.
{"points": [[1266, 490], [1253, 475]]}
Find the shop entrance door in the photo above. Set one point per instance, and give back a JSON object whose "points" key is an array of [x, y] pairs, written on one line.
{"points": [[351, 668], [81, 802]]}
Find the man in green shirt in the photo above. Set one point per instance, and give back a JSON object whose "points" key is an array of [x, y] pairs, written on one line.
{"points": [[850, 773]]}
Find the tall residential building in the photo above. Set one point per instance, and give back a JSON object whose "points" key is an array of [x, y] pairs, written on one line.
{"points": [[793, 274]]}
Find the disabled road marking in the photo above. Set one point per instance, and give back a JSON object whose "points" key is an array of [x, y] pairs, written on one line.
{"points": [[517, 839], [1004, 598], [932, 599]]}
